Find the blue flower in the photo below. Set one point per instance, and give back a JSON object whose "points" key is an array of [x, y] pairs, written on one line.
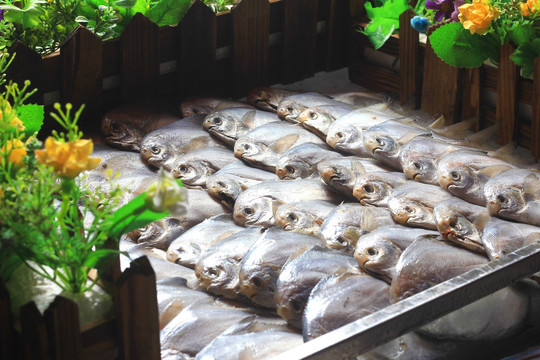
{"points": [[420, 24]]}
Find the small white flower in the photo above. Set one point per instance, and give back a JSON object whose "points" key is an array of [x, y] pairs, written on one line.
{"points": [[167, 195]]}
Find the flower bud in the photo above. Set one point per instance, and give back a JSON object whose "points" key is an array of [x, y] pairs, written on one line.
{"points": [[420, 24]]}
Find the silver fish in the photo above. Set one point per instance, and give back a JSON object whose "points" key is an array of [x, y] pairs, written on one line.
{"points": [[187, 249], [412, 204], [501, 237], [206, 105], [300, 161], [360, 98], [200, 206], [268, 98], [514, 195], [158, 234], [319, 118], [304, 217], [256, 205], [374, 188], [347, 222], [290, 107], [261, 147], [262, 264]]}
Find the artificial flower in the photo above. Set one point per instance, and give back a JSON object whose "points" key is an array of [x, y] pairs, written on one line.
{"points": [[166, 195], [15, 149], [455, 13], [444, 8], [68, 158], [477, 17], [529, 7], [420, 24]]}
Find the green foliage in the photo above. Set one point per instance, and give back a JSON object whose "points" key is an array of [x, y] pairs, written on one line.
{"points": [[525, 55], [220, 5], [384, 20], [168, 12]]}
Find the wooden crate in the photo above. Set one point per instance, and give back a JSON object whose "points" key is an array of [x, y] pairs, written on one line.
{"points": [[132, 334]]}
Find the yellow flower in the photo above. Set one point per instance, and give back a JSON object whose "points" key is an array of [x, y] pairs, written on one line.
{"points": [[16, 150], [7, 108], [68, 158], [477, 17], [529, 7], [166, 195]]}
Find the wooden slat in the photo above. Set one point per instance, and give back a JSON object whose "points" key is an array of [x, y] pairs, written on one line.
{"points": [[535, 123], [197, 54], [81, 59], [6, 338], [251, 24], [27, 65], [339, 34], [137, 321], [34, 332], [374, 77], [139, 59], [409, 72], [63, 326], [507, 105], [470, 94]]}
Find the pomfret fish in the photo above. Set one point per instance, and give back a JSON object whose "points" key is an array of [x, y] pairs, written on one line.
{"points": [[256, 205], [158, 234], [290, 107], [187, 249], [412, 204], [514, 195], [227, 183], [305, 217], [464, 174], [262, 264], [501, 237], [218, 267], [300, 274], [268, 98], [206, 105], [200, 206], [374, 188], [347, 222], [378, 252], [261, 147], [229, 124], [300, 161], [195, 167], [461, 222], [319, 118]]}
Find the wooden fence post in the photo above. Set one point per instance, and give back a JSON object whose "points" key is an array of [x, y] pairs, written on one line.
{"points": [[34, 332], [339, 34], [535, 126], [507, 94], [409, 72], [27, 65], [62, 317], [6, 338]]}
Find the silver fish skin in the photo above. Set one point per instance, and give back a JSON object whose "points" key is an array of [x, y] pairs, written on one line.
{"points": [[200, 206], [218, 267], [300, 162], [347, 222], [290, 107], [378, 252], [428, 262], [305, 217], [159, 234], [262, 146], [195, 167], [227, 183], [360, 98], [187, 249], [256, 205], [464, 174], [461, 222], [300, 274], [319, 118], [268, 98], [206, 105], [262, 264], [346, 132], [514, 195], [501, 237], [229, 124], [412, 204], [374, 188]]}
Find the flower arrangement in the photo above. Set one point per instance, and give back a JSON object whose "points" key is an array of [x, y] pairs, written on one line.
{"points": [[50, 221]]}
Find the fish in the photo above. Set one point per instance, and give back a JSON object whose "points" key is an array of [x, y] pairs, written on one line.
{"points": [[461, 222], [218, 267], [160, 147], [158, 234], [464, 174], [347, 222], [291, 106], [227, 183], [206, 105], [514, 195], [301, 273], [200, 206], [378, 251], [412, 204], [300, 161], [428, 261], [360, 98], [262, 146], [268, 98], [124, 126], [305, 217], [374, 188], [229, 124], [189, 246], [318, 119], [256, 205], [195, 167], [262, 264], [501, 237]]}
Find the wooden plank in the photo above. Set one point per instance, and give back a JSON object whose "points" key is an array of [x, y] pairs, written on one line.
{"points": [[409, 73], [63, 326], [299, 36], [197, 54], [139, 59], [251, 24], [535, 121], [374, 77], [338, 25], [34, 332], [81, 59], [27, 65], [6, 336], [137, 321], [470, 94], [507, 95]]}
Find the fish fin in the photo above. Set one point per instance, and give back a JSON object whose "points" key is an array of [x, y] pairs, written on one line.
{"points": [[249, 119], [408, 121], [276, 204], [482, 220], [226, 234], [507, 149], [493, 170], [405, 138], [483, 136], [459, 129], [286, 142], [532, 184], [357, 167], [438, 123]]}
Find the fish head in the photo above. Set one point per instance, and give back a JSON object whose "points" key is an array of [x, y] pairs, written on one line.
{"points": [[342, 238], [345, 138], [299, 221], [336, 176], [146, 233], [378, 257], [192, 172], [508, 201], [219, 275], [184, 253], [264, 98], [290, 110], [290, 303], [288, 169], [258, 284], [411, 213], [247, 150], [458, 229], [222, 125], [255, 212], [457, 178], [225, 190], [422, 169], [157, 152], [120, 134], [315, 121], [371, 191], [379, 144]]}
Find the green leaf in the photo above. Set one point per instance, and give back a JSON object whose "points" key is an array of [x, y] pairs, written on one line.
{"points": [[32, 116], [384, 20], [126, 4], [524, 56], [456, 46], [522, 34], [168, 12], [97, 256], [28, 16], [377, 37]]}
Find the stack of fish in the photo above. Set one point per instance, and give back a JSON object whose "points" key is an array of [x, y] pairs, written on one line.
{"points": [[309, 211]]}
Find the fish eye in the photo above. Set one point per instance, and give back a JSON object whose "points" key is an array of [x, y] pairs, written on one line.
{"points": [[313, 115], [380, 141], [290, 109], [256, 281], [220, 184], [409, 209], [454, 175], [247, 146], [368, 188], [502, 199], [217, 120], [292, 217], [417, 165], [183, 169], [290, 169], [249, 211], [372, 251], [155, 149], [342, 241], [296, 305], [212, 272], [336, 170], [340, 135]]}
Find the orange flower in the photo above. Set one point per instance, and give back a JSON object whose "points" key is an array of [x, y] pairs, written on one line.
{"points": [[529, 7], [16, 150], [68, 158], [477, 17]]}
